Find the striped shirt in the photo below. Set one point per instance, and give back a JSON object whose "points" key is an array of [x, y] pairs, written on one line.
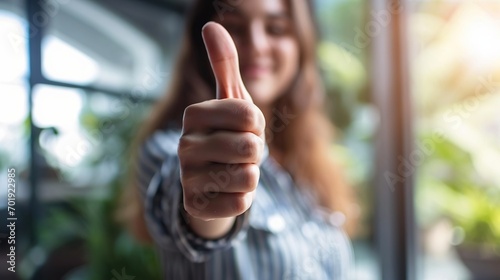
{"points": [[282, 236]]}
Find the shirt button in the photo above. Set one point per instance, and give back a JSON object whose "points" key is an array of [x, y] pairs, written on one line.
{"points": [[276, 223]]}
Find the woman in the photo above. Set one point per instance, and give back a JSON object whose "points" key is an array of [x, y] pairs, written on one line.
{"points": [[218, 201]]}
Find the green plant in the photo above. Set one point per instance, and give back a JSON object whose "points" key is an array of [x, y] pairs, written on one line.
{"points": [[448, 185], [111, 247], [91, 219]]}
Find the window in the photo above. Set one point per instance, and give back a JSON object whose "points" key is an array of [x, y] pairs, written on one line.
{"points": [[13, 92], [344, 64], [73, 88], [455, 75]]}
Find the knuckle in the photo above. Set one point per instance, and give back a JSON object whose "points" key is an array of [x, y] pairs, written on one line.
{"points": [[191, 111], [184, 145], [247, 115], [184, 161], [250, 177], [194, 114], [187, 118], [250, 146], [239, 204], [259, 122]]}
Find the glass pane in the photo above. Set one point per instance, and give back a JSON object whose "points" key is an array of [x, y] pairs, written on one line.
{"points": [[344, 66], [456, 75], [14, 136], [13, 44], [115, 47], [84, 143], [82, 134]]}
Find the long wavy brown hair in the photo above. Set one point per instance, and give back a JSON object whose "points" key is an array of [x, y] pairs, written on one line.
{"points": [[301, 144]]}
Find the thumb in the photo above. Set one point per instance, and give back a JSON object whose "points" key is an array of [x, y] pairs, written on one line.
{"points": [[224, 60]]}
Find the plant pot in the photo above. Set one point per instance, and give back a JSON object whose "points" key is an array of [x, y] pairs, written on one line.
{"points": [[482, 261]]}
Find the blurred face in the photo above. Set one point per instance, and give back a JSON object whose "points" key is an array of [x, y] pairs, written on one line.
{"points": [[267, 46]]}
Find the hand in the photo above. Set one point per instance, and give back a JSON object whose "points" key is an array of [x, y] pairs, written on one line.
{"points": [[222, 140]]}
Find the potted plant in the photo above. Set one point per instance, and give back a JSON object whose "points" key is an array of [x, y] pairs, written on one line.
{"points": [[449, 187]]}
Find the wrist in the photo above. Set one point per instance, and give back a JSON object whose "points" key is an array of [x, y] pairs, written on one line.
{"points": [[211, 229]]}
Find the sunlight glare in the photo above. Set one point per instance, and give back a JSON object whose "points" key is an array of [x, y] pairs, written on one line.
{"points": [[63, 62], [13, 62], [481, 39], [58, 107], [13, 104]]}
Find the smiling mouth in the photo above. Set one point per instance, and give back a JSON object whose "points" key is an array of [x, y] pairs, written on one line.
{"points": [[254, 71]]}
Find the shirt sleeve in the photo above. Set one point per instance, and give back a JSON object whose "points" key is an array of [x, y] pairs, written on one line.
{"points": [[160, 187]]}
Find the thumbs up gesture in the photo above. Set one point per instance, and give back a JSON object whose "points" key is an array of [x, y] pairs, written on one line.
{"points": [[222, 143]]}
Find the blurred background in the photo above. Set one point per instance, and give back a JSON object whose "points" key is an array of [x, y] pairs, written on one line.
{"points": [[413, 87]]}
